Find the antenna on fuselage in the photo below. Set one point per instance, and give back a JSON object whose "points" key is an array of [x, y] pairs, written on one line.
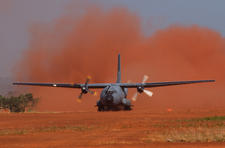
{"points": [[118, 71]]}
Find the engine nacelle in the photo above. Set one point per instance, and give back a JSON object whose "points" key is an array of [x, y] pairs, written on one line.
{"points": [[140, 89], [84, 89], [126, 102]]}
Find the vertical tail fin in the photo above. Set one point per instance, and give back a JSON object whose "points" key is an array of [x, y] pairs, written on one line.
{"points": [[118, 71]]}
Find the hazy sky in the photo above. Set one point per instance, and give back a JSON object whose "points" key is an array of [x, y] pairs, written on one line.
{"points": [[17, 16]]}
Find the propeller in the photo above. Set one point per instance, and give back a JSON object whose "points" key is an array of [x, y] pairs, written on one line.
{"points": [[141, 89], [85, 90]]}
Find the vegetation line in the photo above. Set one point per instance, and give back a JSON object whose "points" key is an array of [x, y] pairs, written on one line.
{"points": [[21, 103], [44, 129]]}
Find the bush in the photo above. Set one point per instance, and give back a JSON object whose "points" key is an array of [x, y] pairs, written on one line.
{"points": [[19, 103]]}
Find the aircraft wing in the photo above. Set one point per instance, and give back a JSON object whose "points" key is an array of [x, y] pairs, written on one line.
{"points": [[97, 85], [125, 85], [160, 84], [47, 84]]}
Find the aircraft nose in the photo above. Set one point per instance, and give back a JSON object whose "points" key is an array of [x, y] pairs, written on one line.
{"points": [[109, 98], [109, 92]]}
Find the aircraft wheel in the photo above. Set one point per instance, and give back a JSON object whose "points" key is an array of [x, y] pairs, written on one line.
{"points": [[100, 108], [127, 108]]}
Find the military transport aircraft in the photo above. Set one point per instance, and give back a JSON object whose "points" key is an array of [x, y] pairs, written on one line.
{"points": [[114, 95]]}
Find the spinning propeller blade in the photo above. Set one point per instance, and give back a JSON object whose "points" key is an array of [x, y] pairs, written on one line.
{"points": [[145, 78], [147, 92], [85, 90], [134, 98]]}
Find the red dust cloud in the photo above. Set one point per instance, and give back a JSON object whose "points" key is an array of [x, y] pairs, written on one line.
{"points": [[73, 48]]}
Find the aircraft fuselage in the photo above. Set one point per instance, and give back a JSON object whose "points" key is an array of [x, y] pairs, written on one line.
{"points": [[113, 98]]}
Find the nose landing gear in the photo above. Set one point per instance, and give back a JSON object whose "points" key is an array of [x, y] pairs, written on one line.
{"points": [[101, 107]]}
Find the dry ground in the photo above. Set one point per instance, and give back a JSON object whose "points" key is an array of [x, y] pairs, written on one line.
{"points": [[183, 128]]}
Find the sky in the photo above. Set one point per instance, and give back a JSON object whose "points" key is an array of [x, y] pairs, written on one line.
{"points": [[17, 18]]}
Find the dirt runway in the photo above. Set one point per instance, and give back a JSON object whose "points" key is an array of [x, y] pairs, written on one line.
{"points": [[137, 128]]}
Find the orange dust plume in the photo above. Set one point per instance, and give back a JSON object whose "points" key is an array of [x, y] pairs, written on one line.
{"points": [[72, 48]]}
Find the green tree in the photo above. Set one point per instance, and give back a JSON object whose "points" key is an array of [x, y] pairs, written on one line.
{"points": [[18, 103]]}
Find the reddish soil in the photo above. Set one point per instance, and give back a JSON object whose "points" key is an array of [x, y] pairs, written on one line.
{"points": [[97, 129]]}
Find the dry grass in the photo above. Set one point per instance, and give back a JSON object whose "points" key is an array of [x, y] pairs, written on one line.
{"points": [[206, 129], [188, 135], [43, 129], [13, 132]]}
